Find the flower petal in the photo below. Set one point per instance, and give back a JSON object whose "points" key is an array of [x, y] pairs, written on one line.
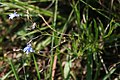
{"points": [[28, 49], [11, 16]]}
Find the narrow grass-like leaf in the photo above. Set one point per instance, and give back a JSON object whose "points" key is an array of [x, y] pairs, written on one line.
{"points": [[77, 12], [10, 5], [23, 34], [36, 67], [97, 10], [109, 74], [96, 30], [111, 28], [89, 65], [98, 65], [101, 28], [6, 75], [14, 70], [25, 6]]}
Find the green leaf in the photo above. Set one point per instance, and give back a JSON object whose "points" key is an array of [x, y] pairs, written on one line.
{"points": [[43, 44], [96, 30], [67, 69], [111, 28]]}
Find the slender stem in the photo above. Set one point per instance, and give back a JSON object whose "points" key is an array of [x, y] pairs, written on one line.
{"points": [[54, 25]]}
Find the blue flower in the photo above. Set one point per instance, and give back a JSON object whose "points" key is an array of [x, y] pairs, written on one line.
{"points": [[11, 16], [28, 49]]}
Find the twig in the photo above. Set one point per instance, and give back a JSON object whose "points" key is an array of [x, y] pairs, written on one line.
{"points": [[50, 26], [54, 67], [46, 22], [103, 63], [104, 66]]}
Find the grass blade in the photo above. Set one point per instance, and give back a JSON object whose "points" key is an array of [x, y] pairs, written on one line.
{"points": [[36, 67], [89, 66], [4, 77], [14, 70]]}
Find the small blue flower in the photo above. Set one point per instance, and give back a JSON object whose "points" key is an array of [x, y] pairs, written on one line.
{"points": [[11, 16], [28, 49]]}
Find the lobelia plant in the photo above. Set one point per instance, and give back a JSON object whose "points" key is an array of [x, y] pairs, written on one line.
{"points": [[12, 15], [70, 43], [28, 49]]}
